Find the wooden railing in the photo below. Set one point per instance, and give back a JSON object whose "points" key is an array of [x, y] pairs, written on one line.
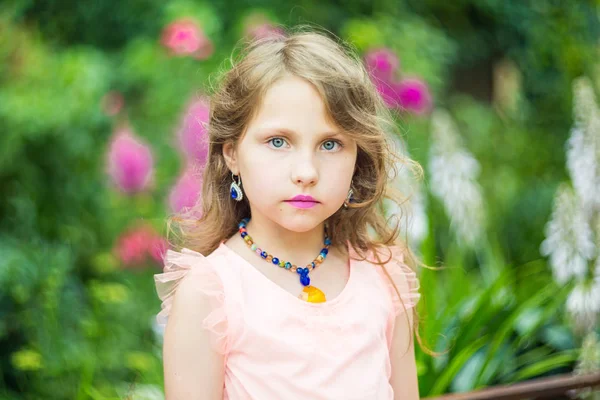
{"points": [[542, 388]]}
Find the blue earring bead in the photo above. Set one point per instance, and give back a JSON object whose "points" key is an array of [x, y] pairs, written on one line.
{"points": [[235, 189], [309, 293]]}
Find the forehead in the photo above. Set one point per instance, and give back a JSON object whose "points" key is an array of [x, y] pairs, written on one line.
{"points": [[294, 103]]}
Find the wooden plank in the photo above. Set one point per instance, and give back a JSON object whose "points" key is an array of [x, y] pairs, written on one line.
{"points": [[536, 388]]}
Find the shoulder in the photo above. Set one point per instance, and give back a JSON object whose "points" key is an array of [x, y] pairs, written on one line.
{"points": [[401, 281], [186, 265], [193, 297], [188, 279]]}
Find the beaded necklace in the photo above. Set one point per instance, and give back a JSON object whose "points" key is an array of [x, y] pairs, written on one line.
{"points": [[310, 293]]}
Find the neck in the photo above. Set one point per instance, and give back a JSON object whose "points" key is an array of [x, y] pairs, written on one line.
{"points": [[299, 248]]}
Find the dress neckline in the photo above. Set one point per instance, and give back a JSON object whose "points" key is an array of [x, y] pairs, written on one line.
{"points": [[329, 303]]}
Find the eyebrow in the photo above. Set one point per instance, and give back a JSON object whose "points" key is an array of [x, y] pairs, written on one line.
{"points": [[280, 129]]}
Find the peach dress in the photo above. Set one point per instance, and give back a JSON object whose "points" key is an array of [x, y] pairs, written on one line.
{"points": [[276, 345]]}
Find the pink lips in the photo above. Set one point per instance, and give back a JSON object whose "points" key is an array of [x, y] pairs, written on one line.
{"points": [[302, 201]]}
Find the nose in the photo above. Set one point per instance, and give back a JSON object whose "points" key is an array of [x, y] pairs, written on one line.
{"points": [[304, 171]]}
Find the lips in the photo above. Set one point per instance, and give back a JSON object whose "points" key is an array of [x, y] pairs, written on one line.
{"points": [[303, 197], [302, 201], [302, 204]]}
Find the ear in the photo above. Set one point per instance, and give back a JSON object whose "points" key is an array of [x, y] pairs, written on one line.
{"points": [[230, 155]]}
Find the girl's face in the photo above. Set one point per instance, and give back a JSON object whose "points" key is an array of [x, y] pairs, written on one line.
{"points": [[291, 149]]}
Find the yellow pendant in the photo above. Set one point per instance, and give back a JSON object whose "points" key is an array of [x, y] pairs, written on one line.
{"points": [[312, 295]]}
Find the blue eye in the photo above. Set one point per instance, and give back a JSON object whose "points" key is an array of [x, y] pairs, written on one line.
{"points": [[329, 145], [334, 142], [277, 142]]}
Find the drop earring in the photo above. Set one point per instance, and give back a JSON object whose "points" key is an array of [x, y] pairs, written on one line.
{"points": [[236, 188], [348, 198]]}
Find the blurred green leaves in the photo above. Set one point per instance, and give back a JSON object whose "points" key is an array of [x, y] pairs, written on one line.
{"points": [[74, 324], [496, 334]]}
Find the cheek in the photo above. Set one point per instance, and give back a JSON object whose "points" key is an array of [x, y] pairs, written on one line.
{"points": [[260, 177], [338, 176]]}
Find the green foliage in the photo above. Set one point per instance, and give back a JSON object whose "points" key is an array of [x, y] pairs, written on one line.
{"points": [[497, 334], [76, 324]]}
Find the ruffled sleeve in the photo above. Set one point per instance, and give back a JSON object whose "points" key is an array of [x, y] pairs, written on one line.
{"points": [[404, 278], [178, 265]]}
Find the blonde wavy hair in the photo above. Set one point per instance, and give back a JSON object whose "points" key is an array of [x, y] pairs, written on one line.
{"points": [[352, 102]]}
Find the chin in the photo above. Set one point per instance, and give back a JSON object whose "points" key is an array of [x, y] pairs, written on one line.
{"points": [[300, 223]]}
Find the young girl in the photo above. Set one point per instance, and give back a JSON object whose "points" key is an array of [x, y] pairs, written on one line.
{"points": [[291, 285]]}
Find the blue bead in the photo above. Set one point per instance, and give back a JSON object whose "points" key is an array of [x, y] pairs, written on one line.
{"points": [[288, 265], [263, 254], [275, 260], [244, 234], [299, 271], [324, 251], [327, 242], [304, 280], [313, 264], [234, 194]]}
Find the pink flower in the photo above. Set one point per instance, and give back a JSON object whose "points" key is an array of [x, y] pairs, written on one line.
{"points": [[130, 162], [411, 95], [157, 249], [264, 30], [186, 192], [389, 92], [193, 132], [112, 103], [138, 245], [185, 38], [257, 25], [414, 96], [382, 63]]}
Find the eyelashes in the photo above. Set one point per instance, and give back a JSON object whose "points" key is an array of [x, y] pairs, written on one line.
{"points": [[283, 140]]}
